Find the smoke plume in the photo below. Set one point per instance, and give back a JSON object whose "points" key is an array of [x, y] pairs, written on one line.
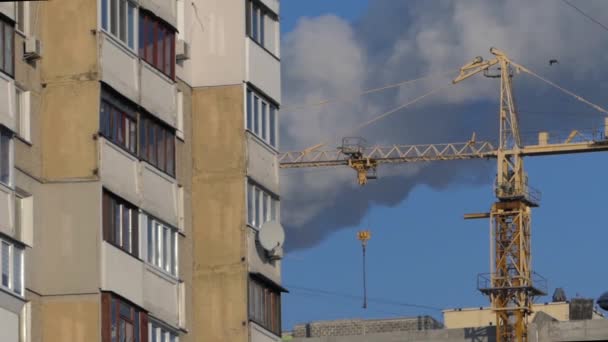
{"points": [[327, 57]]}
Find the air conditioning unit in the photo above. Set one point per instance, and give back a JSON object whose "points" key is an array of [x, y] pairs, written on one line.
{"points": [[32, 49], [182, 50]]}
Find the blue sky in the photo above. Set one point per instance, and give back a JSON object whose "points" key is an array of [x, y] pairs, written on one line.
{"points": [[423, 252]]}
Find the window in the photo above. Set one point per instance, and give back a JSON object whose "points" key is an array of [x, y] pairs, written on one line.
{"points": [[157, 144], [118, 18], [120, 223], [118, 121], [265, 306], [158, 333], [7, 42], [122, 321], [6, 158], [261, 118], [11, 266], [262, 26], [261, 206], [162, 246], [157, 43], [22, 16], [22, 101]]}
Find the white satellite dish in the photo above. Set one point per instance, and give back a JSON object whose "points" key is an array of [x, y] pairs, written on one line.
{"points": [[272, 237]]}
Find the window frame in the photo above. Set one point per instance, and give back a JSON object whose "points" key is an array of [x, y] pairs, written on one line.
{"points": [[156, 328], [262, 117], [106, 17], [259, 21], [23, 113], [110, 220], [12, 276], [25, 7], [156, 256], [152, 24], [7, 23], [112, 316], [264, 304], [267, 211]]}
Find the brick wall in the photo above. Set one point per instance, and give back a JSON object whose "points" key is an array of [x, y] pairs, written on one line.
{"points": [[363, 327]]}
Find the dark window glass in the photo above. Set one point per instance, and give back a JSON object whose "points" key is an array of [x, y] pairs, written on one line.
{"points": [[160, 144], [121, 321], [158, 40], [7, 33], [255, 12], [265, 306], [122, 12], [273, 130], [117, 121], [131, 24], [142, 29], [249, 111], [114, 17], [262, 29], [256, 115], [120, 223], [5, 156], [264, 120]]}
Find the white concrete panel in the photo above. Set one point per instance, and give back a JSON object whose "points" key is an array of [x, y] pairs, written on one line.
{"points": [[216, 38], [119, 67], [161, 296], [262, 165], [7, 214], [258, 260], [7, 102], [273, 5], [9, 326], [11, 302], [164, 9], [8, 9], [159, 193], [119, 171], [121, 273], [158, 94], [263, 70], [259, 334]]}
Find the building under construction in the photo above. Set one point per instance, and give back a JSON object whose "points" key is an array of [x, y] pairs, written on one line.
{"points": [[574, 320]]}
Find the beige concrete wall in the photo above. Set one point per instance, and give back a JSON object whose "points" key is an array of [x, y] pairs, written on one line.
{"points": [[68, 319], [70, 97], [218, 207]]}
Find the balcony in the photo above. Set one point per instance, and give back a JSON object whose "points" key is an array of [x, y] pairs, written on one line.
{"points": [[122, 69], [263, 70], [139, 182], [259, 334], [119, 67], [141, 284], [262, 164]]}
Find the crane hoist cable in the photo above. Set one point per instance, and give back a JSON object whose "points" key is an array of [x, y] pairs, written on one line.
{"points": [[560, 88], [366, 92]]}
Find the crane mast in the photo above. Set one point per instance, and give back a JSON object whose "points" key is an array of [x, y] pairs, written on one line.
{"points": [[511, 285]]}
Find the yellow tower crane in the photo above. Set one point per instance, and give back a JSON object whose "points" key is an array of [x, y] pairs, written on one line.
{"points": [[511, 284]]}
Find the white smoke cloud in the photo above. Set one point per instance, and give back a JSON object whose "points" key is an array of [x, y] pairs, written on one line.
{"points": [[327, 57]]}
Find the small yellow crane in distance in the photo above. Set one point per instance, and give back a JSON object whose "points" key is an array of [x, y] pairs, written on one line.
{"points": [[511, 284]]}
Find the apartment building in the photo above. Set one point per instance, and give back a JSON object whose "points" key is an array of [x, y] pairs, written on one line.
{"points": [[138, 165]]}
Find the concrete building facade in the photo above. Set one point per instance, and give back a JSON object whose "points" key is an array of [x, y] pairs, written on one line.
{"points": [[138, 164]]}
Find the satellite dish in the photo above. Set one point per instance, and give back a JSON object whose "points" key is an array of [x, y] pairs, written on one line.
{"points": [[271, 238], [603, 301]]}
